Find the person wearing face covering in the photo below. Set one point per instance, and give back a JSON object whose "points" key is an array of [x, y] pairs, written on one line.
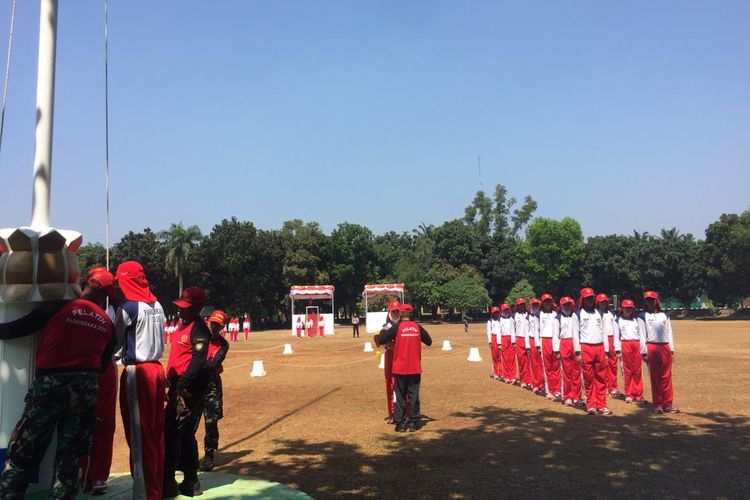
{"points": [[657, 349]]}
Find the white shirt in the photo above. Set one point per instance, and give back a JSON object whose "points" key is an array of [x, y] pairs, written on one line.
{"points": [[139, 327], [521, 323], [608, 323], [533, 331], [626, 329], [657, 328], [508, 328], [591, 328], [246, 325], [548, 324], [569, 329], [493, 328]]}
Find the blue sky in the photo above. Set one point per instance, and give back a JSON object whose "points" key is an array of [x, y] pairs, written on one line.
{"points": [[623, 115]]}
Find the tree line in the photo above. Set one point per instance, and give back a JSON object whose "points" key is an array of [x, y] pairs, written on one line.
{"points": [[497, 251]]}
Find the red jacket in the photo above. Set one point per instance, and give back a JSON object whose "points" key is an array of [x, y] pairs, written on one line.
{"points": [[407, 353]]}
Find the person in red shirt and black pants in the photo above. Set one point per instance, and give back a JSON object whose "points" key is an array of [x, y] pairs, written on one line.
{"points": [[187, 376], [407, 366], [75, 344]]}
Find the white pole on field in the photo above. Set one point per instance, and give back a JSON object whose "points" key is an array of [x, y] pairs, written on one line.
{"points": [[45, 103]]}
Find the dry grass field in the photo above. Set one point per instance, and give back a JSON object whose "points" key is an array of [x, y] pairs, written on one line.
{"points": [[316, 423]]}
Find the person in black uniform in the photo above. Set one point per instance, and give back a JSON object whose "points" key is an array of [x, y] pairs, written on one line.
{"points": [[187, 376]]}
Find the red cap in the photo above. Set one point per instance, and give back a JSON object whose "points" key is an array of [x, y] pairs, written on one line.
{"points": [[653, 295], [505, 307], [407, 308], [394, 305], [602, 297], [627, 303], [494, 309], [587, 292], [100, 278], [520, 301], [218, 317], [547, 296], [566, 300], [191, 296], [535, 301]]}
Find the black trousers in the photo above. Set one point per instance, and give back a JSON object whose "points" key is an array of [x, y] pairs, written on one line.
{"points": [[180, 446], [355, 330], [407, 392]]}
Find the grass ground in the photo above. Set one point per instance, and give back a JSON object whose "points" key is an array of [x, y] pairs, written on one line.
{"points": [[316, 423]]}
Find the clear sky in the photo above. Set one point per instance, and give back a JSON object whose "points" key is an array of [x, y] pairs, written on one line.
{"points": [[623, 115]]}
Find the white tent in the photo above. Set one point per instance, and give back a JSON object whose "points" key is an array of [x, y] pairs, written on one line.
{"points": [[313, 292], [376, 319]]}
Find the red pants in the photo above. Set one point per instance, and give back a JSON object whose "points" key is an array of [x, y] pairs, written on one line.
{"points": [[142, 409], [594, 365], [509, 358], [247, 333], [612, 366], [660, 369], [388, 365], [524, 373], [233, 335], [551, 367], [537, 376], [97, 464], [571, 371], [497, 365], [631, 367]]}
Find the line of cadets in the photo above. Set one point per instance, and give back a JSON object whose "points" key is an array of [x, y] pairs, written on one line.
{"points": [[232, 328], [554, 347]]}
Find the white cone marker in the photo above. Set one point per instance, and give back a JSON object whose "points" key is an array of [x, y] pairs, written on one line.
{"points": [[474, 355], [258, 370], [287, 349], [446, 346], [368, 347]]}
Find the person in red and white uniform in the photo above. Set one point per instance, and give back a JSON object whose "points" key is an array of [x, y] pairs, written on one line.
{"points": [[246, 326], [407, 367], [139, 326], [508, 344], [534, 348], [521, 323], [594, 351], [608, 325], [299, 327], [628, 343], [493, 338], [321, 325], [549, 327], [567, 346], [394, 317], [657, 349]]}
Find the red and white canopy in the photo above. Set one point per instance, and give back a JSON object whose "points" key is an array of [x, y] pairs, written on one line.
{"points": [[383, 289], [313, 292]]}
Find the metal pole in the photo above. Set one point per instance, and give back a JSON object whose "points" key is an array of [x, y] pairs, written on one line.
{"points": [[45, 102]]}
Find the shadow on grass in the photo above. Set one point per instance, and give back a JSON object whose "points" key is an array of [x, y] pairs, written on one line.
{"points": [[527, 454]]}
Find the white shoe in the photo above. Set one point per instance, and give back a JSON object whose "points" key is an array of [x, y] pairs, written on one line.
{"points": [[99, 487]]}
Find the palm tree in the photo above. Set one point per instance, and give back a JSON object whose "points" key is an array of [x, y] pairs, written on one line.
{"points": [[179, 242]]}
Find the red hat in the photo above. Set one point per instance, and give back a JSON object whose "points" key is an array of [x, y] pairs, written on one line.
{"points": [[566, 300], [627, 303], [407, 308], [494, 309], [505, 307], [100, 278], [394, 305], [547, 296], [653, 295], [535, 301], [132, 281], [191, 296], [585, 292], [520, 301], [218, 317], [602, 297]]}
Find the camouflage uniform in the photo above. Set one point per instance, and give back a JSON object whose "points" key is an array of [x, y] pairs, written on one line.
{"points": [[213, 411], [64, 402]]}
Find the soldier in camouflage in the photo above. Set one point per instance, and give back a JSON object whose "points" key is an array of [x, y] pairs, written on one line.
{"points": [[213, 405], [76, 338]]}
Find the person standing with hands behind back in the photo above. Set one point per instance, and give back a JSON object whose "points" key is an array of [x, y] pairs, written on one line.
{"points": [[407, 366]]}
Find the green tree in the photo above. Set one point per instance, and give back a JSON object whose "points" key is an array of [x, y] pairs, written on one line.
{"points": [[304, 246], [91, 255], [609, 265], [351, 256], [465, 293], [726, 255], [521, 290], [457, 243], [179, 241], [553, 252]]}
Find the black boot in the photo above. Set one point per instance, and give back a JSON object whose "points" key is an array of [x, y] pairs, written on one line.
{"points": [[207, 462], [191, 488]]}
